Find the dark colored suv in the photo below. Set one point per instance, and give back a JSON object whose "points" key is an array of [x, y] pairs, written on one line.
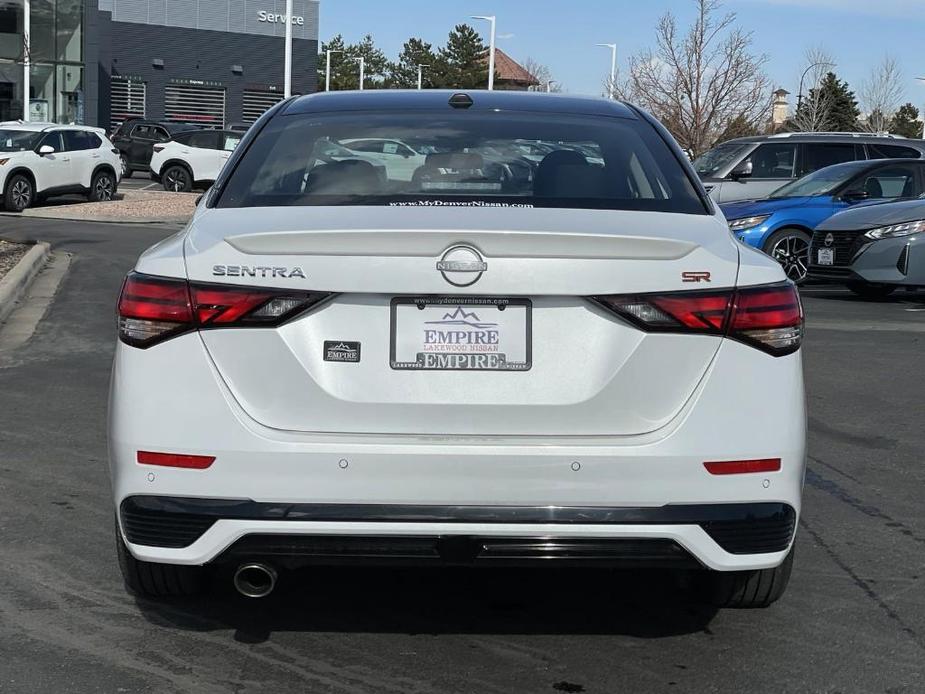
{"points": [[750, 168], [135, 140]]}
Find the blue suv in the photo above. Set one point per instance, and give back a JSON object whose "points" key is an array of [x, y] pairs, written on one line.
{"points": [[782, 224]]}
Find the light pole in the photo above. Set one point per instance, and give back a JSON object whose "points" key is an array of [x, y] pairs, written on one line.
{"points": [[611, 86], [421, 76], [26, 50], [362, 61], [803, 76], [327, 70], [549, 84], [491, 50], [287, 69]]}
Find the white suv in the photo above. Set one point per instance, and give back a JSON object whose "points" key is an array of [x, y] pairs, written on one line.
{"points": [[39, 160], [192, 158]]}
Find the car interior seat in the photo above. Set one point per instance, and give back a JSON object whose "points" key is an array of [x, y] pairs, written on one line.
{"points": [[567, 174]]}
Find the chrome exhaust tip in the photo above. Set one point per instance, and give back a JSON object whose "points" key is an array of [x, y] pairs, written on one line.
{"points": [[255, 580]]}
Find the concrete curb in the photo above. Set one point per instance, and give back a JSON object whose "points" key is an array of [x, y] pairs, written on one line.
{"points": [[16, 281], [98, 220]]}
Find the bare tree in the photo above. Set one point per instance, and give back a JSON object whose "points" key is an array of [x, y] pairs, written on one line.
{"points": [[814, 106], [699, 82], [543, 75], [880, 94]]}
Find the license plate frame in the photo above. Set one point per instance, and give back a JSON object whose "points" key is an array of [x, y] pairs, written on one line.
{"points": [[825, 256], [461, 360]]}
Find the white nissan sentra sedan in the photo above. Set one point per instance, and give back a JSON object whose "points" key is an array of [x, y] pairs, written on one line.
{"points": [[502, 360]]}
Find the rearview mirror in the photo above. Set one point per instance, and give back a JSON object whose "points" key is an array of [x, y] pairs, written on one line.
{"points": [[742, 170], [46, 149]]}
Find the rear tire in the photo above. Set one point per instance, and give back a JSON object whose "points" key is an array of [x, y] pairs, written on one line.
{"points": [[127, 170], [748, 589], [154, 580], [869, 290], [19, 193], [178, 179], [102, 187], [790, 248]]}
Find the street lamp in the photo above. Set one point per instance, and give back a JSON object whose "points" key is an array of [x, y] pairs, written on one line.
{"points": [[362, 61], [287, 69], [611, 87], [421, 76], [549, 84], [327, 70], [491, 50], [803, 76]]}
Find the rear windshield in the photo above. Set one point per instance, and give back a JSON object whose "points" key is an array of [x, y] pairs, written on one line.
{"points": [[461, 159]]}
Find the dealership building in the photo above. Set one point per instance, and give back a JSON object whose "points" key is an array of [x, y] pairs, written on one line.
{"points": [[98, 62]]}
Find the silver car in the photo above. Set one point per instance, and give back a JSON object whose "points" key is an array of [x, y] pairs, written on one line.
{"points": [[750, 168], [872, 249]]}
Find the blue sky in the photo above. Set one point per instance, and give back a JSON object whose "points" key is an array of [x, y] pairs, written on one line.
{"points": [[858, 33]]}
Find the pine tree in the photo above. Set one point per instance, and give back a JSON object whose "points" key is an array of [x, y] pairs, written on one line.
{"points": [[376, 65], [339, 64], [345, 66], [463, 60], [906, 122], [839, 106], [404, 73]]}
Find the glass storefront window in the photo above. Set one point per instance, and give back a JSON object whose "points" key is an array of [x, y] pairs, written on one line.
{"points": [[43, 30], [10, 29], [56, 88], [69, 23], [42, 92], [70, 98]]}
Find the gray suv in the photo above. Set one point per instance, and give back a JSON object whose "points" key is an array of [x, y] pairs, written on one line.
{"points": [[754, 167]]}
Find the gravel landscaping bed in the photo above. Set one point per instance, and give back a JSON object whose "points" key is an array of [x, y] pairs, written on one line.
{"points": [[10, 254], [134, 206]]}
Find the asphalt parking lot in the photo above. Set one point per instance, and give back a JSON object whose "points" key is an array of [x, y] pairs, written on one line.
{"points": [[853, 619]]}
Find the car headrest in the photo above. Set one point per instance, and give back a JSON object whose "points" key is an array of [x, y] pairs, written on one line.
{"points": [[347, 177], [460, 161]]}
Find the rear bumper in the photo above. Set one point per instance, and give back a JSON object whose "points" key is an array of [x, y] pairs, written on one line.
{"points": [[305, 486], [192, 528]]}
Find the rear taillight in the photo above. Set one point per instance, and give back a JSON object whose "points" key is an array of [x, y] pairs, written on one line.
{"points": [[769, 317], [152, 309], [158, 148]]}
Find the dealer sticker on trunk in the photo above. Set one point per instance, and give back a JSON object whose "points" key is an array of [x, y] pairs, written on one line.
{"points": [[461, 334], [341, 350]]}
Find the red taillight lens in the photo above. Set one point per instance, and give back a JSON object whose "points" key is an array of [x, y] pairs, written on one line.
{"points": [[193, 462], [741, 467], [152, 309], [769, 317]]}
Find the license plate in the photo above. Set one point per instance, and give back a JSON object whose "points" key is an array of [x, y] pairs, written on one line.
{"points": [[826, 256], [453, 334]]}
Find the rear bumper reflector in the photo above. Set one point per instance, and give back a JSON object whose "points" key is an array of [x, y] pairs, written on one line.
{"points": [[192, 462], [741, 467]]}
